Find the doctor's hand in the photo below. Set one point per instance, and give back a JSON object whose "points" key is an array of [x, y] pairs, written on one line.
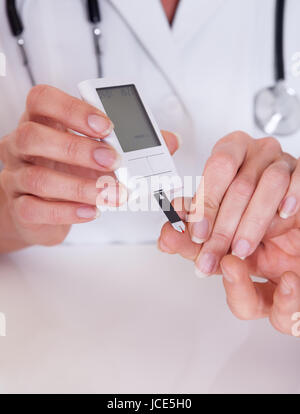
{"points": [[50, 174], [251, 209], [278, 300]]}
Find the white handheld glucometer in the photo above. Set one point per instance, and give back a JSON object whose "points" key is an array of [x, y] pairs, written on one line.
{"points": [[135, 136]]}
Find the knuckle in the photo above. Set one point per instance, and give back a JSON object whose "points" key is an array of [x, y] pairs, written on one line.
{"points": [[243, 186], [36, 94], [25, 210], [24, 136], [277, 175], [211, 204], [234, 136], [6, 180], [222, 163], [80, 190], [55, 216], [292, 161], [72, 148], [34, 180], [239, 135], [222, 237], [256, 223], [71, 108], [270, 144]]}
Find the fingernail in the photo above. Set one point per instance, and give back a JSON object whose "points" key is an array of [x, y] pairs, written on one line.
{"points": [[86, 212], [241, 249], [107, 158], [284, 287], [112, 195], [206, 263], [288, 208], [100, 124], [226, 275], [199, 274], [200, 231]]}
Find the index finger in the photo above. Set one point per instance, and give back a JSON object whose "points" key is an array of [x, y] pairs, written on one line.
{"points": [[47, 102]]}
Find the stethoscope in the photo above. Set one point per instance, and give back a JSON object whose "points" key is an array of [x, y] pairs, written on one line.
{"points": [[276, 108], [17, 30]]}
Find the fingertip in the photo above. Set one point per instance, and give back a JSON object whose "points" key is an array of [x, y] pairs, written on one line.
{"points": [[289, 283], [291, 276], [199, 274], [88, 213], [283, 215], [177, 242], [179, 139], [233, 268], [170, 237], [163, 247], [239, 257], [100, 124], [289, 207], [196, 240], [172, 140]]}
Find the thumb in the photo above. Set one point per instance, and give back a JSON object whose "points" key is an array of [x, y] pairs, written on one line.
{"points": [[246, 299], [286, 306], [172, 140]]}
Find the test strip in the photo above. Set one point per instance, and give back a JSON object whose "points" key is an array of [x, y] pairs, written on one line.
{"points": [[169, 211]]}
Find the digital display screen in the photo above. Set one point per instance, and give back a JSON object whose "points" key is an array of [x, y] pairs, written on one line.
{"points": [[132, 124]]}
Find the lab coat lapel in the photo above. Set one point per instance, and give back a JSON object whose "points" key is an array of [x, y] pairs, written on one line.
{"points": [[147, 21], [191, 17]]}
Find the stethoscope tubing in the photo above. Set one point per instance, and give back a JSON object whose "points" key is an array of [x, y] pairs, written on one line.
{"points": [[285, 124], [17, 30], [94, 17], [279, 40], [15, 22]]}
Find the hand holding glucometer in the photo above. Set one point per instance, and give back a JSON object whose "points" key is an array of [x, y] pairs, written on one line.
{"points": [[49, 177]]}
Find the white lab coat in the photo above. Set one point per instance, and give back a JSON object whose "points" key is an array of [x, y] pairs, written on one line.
{"points": [[199, 77]]}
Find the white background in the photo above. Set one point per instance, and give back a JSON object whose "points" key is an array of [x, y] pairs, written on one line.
{"points": [[118, 319]]}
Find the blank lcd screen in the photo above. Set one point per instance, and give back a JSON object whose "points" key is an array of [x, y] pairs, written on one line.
{"points": [[133, 127]]}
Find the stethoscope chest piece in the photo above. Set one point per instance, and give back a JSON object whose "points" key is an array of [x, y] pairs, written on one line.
{"points": [[277, 110]]}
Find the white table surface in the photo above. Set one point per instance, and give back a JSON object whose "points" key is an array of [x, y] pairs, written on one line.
{"points": [[128, 319]]}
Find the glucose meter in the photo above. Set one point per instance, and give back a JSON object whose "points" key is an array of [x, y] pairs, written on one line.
{"points": [[136, 137]]}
